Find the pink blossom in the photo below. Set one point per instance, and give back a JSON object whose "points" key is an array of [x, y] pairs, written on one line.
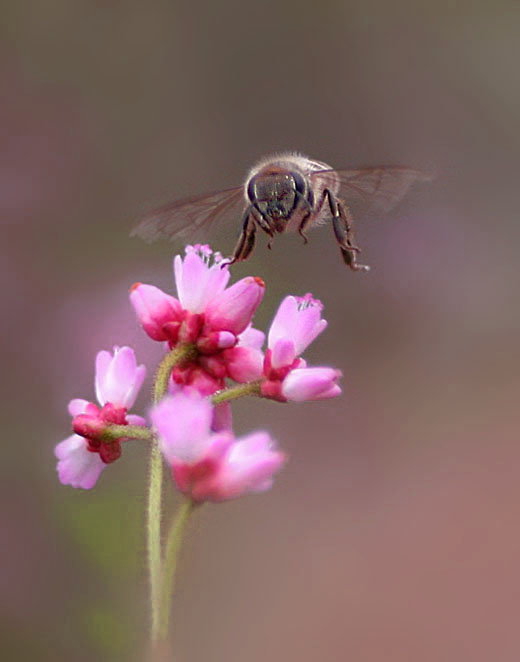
{"points": [[82, 457], [296, 324], [206, 314], [233, 309], [222, 416], [244, 364], [118, 377], [245, 361], [311, 384], [156, 310], [209, 466], [199, 277], [251, 337], [77, 466], [286, 376]]}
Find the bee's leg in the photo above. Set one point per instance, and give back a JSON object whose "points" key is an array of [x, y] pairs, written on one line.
{"points": [[306, 218], [264, 225], [303, 224], [246, 241], [342, 223]]}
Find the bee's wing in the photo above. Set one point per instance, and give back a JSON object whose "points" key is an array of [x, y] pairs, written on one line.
{"points": [[184, 218], [377, 188]]}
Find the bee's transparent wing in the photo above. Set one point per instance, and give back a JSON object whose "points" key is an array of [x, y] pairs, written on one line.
{"points": [[184, 218], [375, 189]]}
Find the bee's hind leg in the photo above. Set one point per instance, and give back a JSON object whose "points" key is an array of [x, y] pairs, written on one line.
{"points": [[245, 243], [342, 223]]}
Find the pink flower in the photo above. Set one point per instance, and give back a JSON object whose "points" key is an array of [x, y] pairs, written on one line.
{"points": [[311, 384], [77, 466], [245, 361], [206, 315], [83, 456], [118, 377], [232, 310], [286, 376], [199, 277], [296, 324], [209, 466], [244, 364], [156, 310]]}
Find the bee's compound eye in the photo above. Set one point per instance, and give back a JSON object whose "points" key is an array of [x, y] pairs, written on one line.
{"points": [[251, 189], [299, 183]]}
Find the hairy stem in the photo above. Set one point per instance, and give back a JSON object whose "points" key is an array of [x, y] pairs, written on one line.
{"points": [[162, 375], [160, 387], [173, 545], [114, 432], [251, 388]]}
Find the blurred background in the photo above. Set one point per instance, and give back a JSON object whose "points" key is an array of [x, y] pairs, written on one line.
{"points": [[394, 532]]}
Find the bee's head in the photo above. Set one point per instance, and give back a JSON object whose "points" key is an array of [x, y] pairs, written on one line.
{"points": [[275, 193]]}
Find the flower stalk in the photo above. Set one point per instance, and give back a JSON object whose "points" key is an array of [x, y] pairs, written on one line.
{"points": [[160, 387], [174, 357], [171, 553], [114, 432], [225, 395]]}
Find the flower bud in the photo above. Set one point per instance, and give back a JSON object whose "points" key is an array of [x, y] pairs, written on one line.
{"points": [[155, 309], [91, 427], [216, 341], [311, 384]]}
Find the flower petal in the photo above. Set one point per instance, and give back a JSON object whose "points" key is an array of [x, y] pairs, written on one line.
{"points": [[283, 353], [197, 479], [197, 283], [251, 337], [155, 309], [118, 380], [103, 360], [183, 422], [78, 406], [297, 318], [77, 466], [248, 467], [233, 309], [244, 364], [133, 419], [222, 418]]}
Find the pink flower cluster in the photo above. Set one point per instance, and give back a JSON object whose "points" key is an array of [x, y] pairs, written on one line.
{"points": [[214, 322], [214, 319], [217, 321], [83, 456], [211, 466]]}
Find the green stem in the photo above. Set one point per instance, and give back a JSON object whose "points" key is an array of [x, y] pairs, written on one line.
{"points": [[160, 387], [177, 355], [154, 533], [167, 572], [251, 388], [173, 545], [113, 432]]}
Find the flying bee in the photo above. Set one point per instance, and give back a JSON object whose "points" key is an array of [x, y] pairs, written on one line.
{"points": [[287, 192]]}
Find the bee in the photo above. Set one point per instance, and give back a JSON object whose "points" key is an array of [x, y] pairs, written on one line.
{"points": [[287, 192]]}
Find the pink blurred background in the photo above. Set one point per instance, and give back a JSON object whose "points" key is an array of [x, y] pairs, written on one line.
{"points": [[394, 532]]}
